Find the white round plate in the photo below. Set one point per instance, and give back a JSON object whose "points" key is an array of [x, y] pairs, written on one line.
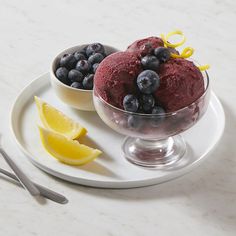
{"points": [[110, 170]]}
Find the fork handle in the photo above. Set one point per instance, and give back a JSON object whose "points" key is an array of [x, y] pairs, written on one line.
{"points": [[24, 180], [47, 193]]}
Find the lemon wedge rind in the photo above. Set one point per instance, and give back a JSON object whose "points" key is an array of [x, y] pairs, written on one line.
{"points": [[65, 150]]}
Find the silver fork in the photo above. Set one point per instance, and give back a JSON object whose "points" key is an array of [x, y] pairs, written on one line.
{"points": [[45, 192], [24, 180]]}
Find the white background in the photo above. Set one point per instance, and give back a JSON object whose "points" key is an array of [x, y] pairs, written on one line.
{"points": [[200, 203]]}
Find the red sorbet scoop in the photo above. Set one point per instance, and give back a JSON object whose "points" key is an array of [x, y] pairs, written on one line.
{"points": [[181, 83], [144, 46], [116, 77]]}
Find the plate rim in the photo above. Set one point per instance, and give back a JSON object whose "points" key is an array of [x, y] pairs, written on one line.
{"points": [[109, 184]]}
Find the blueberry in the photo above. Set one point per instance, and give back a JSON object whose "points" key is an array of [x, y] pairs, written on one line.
{"points": [[173, 50], [140, 110], [79, 56], [147, 102], [83, 66], [150, 62], [77, 85], [156, 120], [104, 54], [158, 110], [148, 81], [94, 48], [68, 61], [75, 76], [83, 51], [134, 122], [88, 81], [95, 66], [130, 103], [61, 74], [162, 54], [96, 58]]}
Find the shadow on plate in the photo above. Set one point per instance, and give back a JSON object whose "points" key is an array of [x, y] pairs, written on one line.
{"points": [[91, 143], [99, 169]]}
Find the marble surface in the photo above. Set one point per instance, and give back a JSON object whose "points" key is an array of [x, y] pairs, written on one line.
{"points": [[200, 203]]}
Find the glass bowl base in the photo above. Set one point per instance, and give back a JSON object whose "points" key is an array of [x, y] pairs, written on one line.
{"points": [[154, 153]]}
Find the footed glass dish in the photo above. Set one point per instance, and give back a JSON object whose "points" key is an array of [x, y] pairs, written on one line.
{"points": [[153, 140]]}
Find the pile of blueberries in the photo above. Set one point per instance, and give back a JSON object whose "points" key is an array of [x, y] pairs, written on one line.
{"points": [[77, 70], [147, 82]]}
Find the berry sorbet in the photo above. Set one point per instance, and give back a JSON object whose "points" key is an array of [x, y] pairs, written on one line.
{"points": [[148, 68]]}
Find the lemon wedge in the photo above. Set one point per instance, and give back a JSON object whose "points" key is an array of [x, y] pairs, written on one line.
{"points": [[58, 122], [68, 151]]}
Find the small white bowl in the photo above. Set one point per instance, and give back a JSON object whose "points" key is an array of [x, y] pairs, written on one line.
{"points": [[77, 98]]}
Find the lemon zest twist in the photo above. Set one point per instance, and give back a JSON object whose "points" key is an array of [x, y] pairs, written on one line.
{"points": [[204, 67], [186, 53], [173, 45]]}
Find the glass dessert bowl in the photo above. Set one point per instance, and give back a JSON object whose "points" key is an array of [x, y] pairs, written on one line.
{"points": [[153, 140]]}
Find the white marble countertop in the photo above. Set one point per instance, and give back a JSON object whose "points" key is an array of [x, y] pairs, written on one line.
{"points": [[202, 202]]}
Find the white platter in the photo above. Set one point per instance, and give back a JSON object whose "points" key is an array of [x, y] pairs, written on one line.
{"points": [[110, 170]]}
